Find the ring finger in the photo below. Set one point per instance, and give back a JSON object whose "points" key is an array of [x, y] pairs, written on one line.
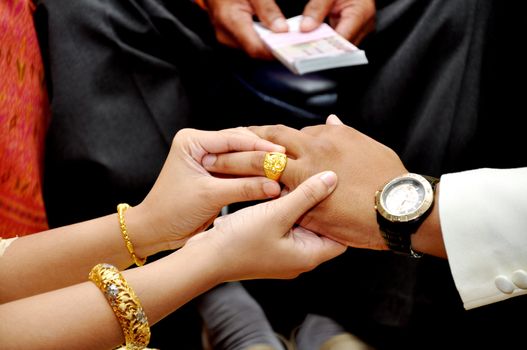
{"points": [[245, 164]]}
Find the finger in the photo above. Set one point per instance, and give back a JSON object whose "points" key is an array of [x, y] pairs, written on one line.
{"points": [[242, 130], [205, 225], [309, 193], [227, 39], [222, 142], [333, 120], [355, 38], [355, 21], [249, 40], [220, 219], [314, 14], [238, 31], [292, 139], [243, 164], [230, 191], [270, 15]]}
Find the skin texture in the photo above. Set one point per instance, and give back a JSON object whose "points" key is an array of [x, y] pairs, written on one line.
{"points": [[363, 166], [43, 275], [184, 200], [233, 20], [257, 242]]}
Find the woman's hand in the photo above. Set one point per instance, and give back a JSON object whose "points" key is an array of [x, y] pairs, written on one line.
{"points": [[185, 198], [261, 242]]}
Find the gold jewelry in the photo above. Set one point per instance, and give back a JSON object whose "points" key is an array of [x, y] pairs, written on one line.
{"points": [[121, 208], [274, 164], [124, 303]]}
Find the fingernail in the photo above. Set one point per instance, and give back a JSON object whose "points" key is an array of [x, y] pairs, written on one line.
{"points": [[329, 178], [271, 189], [208, 160], [280, 149], [279, 25], [308, 23]]}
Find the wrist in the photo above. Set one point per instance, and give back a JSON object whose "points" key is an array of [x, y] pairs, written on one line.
{"points": [[403, 205], [207, 257], [143, 233], [428, 239]]}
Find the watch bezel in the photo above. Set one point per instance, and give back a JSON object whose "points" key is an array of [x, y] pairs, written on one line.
{"points": [[425, 204]]}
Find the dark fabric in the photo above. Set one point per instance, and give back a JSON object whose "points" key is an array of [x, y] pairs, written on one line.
{"points": [[233, 320], [124, 76], [444, 89]]}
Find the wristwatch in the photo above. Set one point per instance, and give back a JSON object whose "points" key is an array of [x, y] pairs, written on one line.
{"points": [[402, 205]]}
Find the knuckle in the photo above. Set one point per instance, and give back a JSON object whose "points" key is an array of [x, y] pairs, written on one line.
{"points": [[257, 161], [316, 8], [220, 164], [326, 146], [269, 10], [312, 6], [181, 135], [250, 191], [273, 132]]}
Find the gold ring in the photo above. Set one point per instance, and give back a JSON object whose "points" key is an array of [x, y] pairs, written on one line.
{"points": [[274, 164]]}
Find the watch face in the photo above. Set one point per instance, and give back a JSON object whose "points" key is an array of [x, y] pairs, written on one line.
{"points": [[405, 198]]}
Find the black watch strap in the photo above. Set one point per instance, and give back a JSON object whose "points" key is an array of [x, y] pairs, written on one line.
{"points": [[398, 236]]}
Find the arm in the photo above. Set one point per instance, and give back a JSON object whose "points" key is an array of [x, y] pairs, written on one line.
{"points": [[483, 221], [184, 200], [348, 215], [483, 239], [256, 242]]}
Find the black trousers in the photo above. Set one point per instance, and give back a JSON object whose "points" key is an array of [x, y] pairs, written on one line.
{"points": [[124, 76]]}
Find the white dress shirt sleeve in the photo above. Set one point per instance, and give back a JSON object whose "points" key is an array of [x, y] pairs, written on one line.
{"points": [[483, 216]]}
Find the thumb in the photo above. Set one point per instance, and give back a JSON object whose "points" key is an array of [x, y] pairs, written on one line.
{"points": [[270, 15], [333, 120], [314, 13], [308, 194]]}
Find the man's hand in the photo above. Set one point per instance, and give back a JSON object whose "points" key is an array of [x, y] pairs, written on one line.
{"points": [[233, 20], [362, 164], [353, 19]]}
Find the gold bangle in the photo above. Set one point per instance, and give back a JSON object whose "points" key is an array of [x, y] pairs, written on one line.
{"points": [[121, 208], [124, 303]]}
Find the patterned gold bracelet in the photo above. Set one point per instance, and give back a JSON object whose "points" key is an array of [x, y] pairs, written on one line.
{"points": [[125, 305], [121, 208]]}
